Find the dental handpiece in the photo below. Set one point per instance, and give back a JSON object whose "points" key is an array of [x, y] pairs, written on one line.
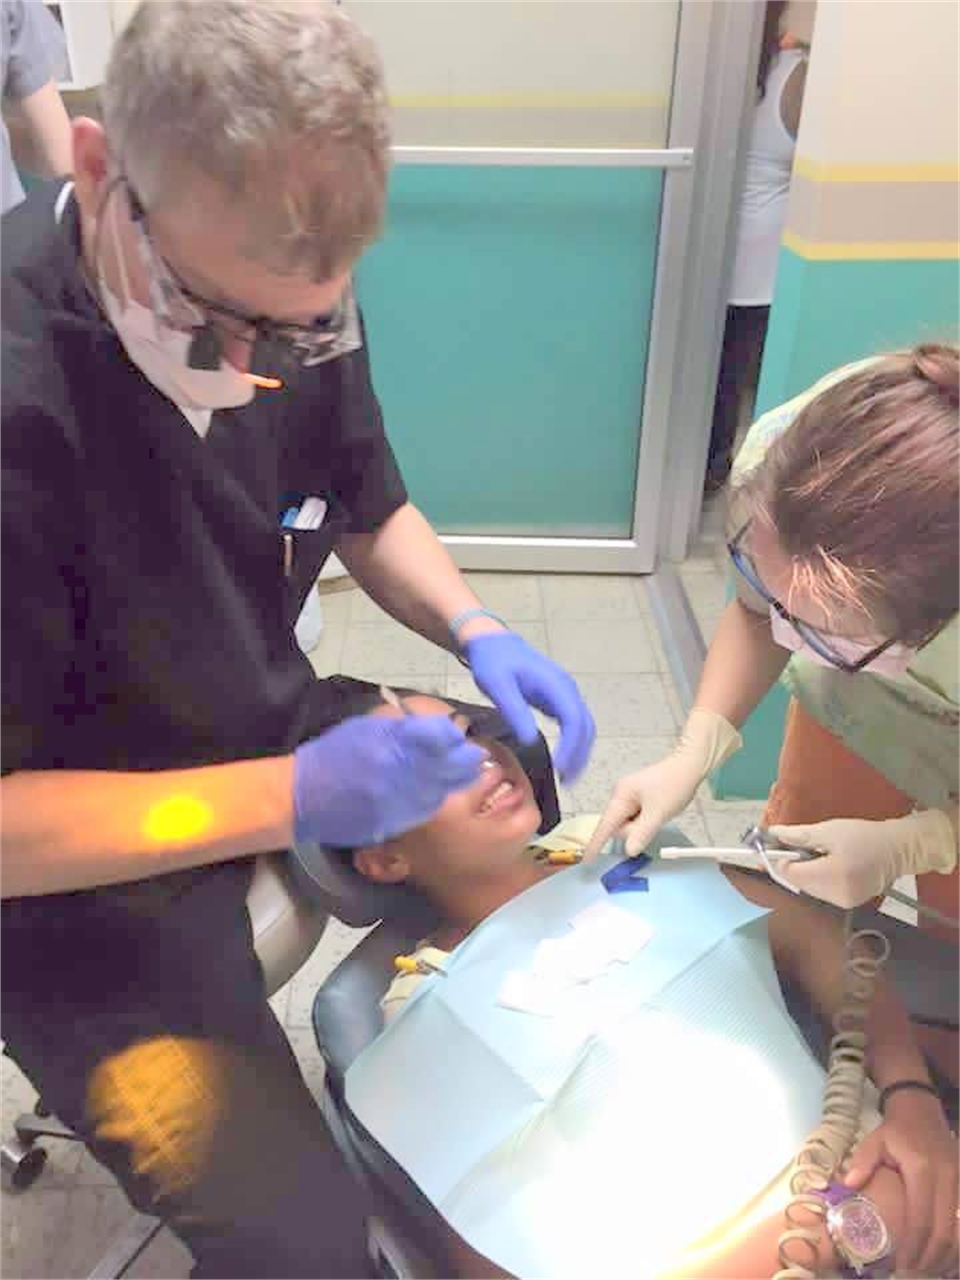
{"points": [[758, 836], [754, 848], [765, 845], [394, 700], [757, 851], [762, 840]]}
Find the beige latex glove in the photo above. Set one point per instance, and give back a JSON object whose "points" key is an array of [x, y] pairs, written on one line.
{"points": [[864, 858], [642, 802]]}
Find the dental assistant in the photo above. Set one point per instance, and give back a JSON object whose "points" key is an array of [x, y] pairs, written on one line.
{"points": [[183, 365], [844, 545]]}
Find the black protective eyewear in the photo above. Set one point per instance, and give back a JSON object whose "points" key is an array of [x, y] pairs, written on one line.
{"points": [[292, 344], [481, 722]]}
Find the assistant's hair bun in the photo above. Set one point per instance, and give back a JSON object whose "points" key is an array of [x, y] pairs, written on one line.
{"points": [[939, 364]]}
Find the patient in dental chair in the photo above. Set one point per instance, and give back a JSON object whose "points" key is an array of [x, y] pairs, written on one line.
{"points": [[475, 857]]}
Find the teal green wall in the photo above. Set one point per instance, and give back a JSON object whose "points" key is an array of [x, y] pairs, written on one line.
{"points": [[508, 315], [751, 773], [826, 313]]}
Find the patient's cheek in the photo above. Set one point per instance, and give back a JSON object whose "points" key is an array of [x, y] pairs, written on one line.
{"points": [[447, 832]]}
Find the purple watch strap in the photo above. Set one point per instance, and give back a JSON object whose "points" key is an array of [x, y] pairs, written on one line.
{"points": [[882, 1269], [836, 1193]]}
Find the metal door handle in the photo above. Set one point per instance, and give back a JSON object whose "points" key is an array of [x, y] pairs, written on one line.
{"points": [[583, 157]]}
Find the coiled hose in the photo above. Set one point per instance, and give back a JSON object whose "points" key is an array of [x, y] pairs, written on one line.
{"points": [[821, 1157]]}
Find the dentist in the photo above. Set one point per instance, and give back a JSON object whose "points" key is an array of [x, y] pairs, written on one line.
{"points": [[183, 364]]}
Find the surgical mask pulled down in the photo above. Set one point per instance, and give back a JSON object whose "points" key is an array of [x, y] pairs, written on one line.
{"points": [[160, 351], [892, 662]]}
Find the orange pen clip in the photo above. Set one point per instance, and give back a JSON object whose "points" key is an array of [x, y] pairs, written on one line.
{"points": [[265, 383]]}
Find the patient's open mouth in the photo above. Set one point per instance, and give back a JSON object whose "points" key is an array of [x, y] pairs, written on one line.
{"points": [[502, 791]]}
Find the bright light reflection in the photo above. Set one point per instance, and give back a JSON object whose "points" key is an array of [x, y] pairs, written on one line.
{"points": [[177, 819]]}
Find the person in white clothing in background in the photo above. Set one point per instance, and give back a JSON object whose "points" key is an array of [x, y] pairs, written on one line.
{"points": [[33, 55], [781, 76]]}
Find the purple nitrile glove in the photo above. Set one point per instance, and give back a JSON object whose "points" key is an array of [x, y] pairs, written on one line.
{"points": [[370, 778], [516, 677]]}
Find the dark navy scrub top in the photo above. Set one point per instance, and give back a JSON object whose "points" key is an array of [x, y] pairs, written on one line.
{"points": [[147, 622]]}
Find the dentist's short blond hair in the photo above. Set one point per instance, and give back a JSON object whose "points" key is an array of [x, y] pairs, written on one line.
{"points": [[281, 103]]}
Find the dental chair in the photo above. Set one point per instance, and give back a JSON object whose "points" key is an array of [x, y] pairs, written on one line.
{"points": [[406, 1235], [286, 928], [405, 1231], [290, 901]]}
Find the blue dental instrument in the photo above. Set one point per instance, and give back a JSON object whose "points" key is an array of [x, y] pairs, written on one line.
{"points": [[623, 877]]}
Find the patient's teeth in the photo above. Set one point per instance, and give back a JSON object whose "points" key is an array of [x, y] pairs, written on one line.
{"points": [[499, 790]]}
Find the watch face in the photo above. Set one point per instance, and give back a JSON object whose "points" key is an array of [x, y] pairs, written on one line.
{"points": [[861, 1228]]}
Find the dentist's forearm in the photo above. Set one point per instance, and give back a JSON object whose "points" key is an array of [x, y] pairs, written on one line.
{"points": [[408, 571], [78, 829], [742, 664]]}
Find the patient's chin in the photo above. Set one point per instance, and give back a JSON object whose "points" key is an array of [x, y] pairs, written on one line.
{"points": [[512, 828]]}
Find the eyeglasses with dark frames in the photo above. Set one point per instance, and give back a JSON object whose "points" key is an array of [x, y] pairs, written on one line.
{"points": [[292, 344]]}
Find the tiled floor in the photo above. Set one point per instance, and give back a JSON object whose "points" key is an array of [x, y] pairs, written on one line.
{"points": [[602, 630]]}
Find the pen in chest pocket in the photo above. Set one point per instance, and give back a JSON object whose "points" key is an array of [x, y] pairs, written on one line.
{"points": [[308, 516]]}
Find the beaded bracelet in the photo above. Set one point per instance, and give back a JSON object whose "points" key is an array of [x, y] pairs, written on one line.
{"points": [[457, 623]]}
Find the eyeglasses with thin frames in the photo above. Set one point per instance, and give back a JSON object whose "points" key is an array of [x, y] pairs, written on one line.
{"points": [[808, 634]]}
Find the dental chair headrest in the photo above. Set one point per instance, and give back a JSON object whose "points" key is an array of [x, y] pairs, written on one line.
{"points": [[327, 877]]}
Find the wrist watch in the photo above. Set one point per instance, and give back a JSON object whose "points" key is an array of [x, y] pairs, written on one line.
{"points": [[857, 1232]]}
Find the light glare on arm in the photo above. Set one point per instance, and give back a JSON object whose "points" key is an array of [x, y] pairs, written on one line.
{"points": [[177, 819]]}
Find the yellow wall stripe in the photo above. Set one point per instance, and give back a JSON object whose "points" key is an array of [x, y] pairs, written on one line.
{"points": [[889, 249], [820, 171], [513, 101]]}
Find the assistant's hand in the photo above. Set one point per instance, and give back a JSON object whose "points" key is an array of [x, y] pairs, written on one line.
{"points": [[642, 802], [371, 778], [516, 677], [863, 858], [915, 1140]]}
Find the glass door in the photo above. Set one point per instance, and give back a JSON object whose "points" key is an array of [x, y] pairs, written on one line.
{"points": [[511, 305]]}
